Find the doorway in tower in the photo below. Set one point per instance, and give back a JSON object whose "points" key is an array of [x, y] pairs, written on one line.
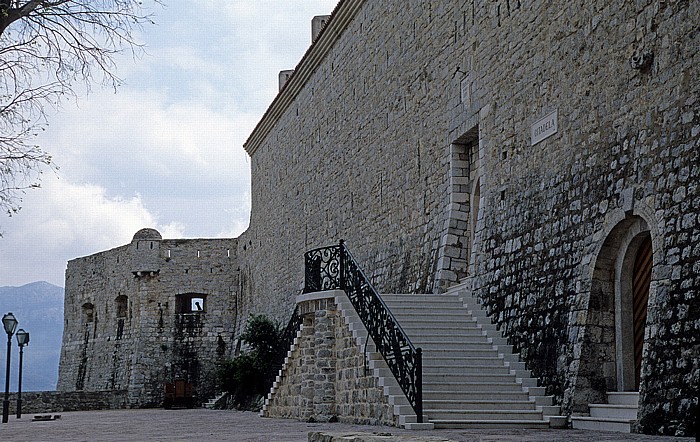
{"points": [[464, 193], [632, 298], [613, 350]]}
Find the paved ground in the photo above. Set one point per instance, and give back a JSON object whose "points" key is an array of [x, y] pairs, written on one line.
{"points": [[202, 425]]}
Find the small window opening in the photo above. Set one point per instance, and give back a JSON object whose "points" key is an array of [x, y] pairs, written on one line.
{"points": [[190, 303], [88, 312], [122, 302]]}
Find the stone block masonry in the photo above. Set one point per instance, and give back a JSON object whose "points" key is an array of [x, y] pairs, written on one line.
{"points": [[148, 313], [407, 131], [62, 401], [326, 376]]}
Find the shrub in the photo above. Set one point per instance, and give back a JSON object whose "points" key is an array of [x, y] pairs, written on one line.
{"points": [[250, 374]]}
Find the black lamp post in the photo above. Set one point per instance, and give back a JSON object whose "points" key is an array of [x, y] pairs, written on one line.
{"points": [[10, 323], [22, 340]]}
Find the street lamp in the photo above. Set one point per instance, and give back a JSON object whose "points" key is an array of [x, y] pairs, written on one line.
{"points": [[10, 323], [22, 340]]}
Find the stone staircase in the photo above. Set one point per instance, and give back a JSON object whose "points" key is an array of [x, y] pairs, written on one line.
{"points": [[619, 414], [212, 403], [471, 378]]}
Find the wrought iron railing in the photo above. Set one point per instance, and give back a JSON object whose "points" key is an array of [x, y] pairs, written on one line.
{"points": [[287, 338], [333, 267]]}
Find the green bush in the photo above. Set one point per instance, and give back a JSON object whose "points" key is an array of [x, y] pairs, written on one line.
{"points": [[251, 373], [262, 335]]}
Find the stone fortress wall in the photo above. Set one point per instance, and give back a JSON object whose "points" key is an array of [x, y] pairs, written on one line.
{"points": [[413, 130], [533, 149], [132, 319]]}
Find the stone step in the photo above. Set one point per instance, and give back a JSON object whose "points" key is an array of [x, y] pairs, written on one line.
{"points": [[550, 410], [477, 313], [447, 336], [435, 415], [423, 298], [443, 321], [456, 387], [464, 353], [427, 329], [465, 369], [416, 426], [623, 398], [471, 379], [436, 311], [431, 361], [448, 342], [490, 424], [475, 395], [455, 347], [429, 378], [601, 424], [613, 411], [441, 404]]}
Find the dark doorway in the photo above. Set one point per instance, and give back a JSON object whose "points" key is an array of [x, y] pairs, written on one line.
{"points": [[641, 280]]}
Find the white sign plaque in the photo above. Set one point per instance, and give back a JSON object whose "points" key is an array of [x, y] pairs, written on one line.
{"points": [[543, 128]]}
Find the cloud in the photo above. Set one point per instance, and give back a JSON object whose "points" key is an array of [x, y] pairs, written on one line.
{"points": [[62, 221], [165, 151], [175, 155]]}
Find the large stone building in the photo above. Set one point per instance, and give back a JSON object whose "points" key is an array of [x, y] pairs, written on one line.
{"points": [[547, 154], [147, 313]]}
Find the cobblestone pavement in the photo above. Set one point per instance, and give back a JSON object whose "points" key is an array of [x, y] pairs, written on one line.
{"points": [[223, 425]]}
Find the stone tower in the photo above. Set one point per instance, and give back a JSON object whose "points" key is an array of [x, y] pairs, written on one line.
{"points": [[147, 313]]}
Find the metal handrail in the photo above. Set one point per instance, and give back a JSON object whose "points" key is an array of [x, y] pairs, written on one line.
{"points": [[334, 267], [286, 341]]}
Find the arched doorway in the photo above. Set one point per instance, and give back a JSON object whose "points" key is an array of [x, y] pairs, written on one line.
{"points": [[612, 350], [640, 300], [632, 298]]}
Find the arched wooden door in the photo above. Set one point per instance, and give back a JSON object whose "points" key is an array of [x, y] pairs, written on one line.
{"points": [[641, 281]]}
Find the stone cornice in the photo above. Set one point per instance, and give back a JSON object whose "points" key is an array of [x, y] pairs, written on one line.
{"points": [[340, 18]]}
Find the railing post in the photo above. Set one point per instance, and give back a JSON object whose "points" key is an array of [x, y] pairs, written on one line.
{"points": [[419, 385]]}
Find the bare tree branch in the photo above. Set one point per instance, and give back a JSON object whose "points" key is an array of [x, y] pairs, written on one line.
{"points": [[46, 49]]}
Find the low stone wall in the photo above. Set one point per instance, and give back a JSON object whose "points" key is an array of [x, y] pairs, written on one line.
{"points": [[325, 377], [61, 401]]}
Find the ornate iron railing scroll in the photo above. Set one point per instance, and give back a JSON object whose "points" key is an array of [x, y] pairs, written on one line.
{"points": [[334, 267], [322, 269]]}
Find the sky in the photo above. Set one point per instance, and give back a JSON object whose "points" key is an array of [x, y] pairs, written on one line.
{"points": [[166, 150]]}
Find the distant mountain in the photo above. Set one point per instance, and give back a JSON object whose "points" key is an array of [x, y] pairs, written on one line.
{"points": [[38, 307]]}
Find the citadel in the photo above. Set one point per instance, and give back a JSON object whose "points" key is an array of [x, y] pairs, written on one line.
{"points": [[517, 187]]}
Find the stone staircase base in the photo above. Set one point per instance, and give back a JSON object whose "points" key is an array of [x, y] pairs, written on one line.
{"points": [[471, 378], [214, 402], [618, 415]]}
